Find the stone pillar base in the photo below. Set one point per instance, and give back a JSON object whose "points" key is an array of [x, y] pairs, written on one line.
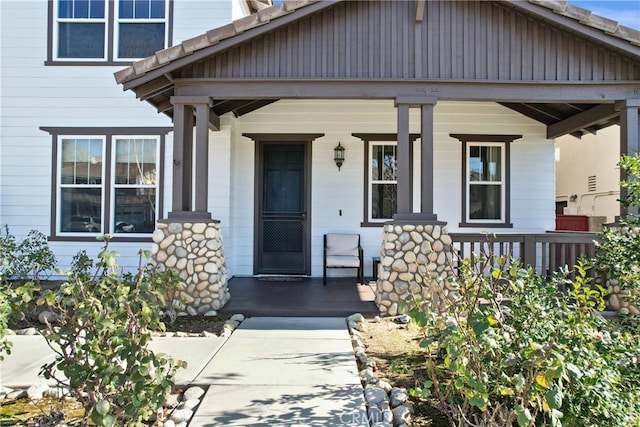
{"points": [[196, 252], [415, 262]]}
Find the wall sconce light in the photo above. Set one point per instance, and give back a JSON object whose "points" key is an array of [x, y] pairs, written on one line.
{"points": [[338, 155]]}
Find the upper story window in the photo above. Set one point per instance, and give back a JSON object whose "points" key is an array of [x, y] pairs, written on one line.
{"points": [[107, 181], [486, 179], [107, 31]]}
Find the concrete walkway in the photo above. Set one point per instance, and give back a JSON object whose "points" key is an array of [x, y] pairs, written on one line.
{"points": [[272, 371]]}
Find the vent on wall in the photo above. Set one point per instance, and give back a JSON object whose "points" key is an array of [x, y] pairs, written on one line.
{"points": [[591, 184]]}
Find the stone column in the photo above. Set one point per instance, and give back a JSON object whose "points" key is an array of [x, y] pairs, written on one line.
{"points": [[196, 252], [415, 262]]}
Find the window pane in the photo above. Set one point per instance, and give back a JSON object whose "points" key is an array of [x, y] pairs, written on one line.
{"points": [[383, 201], [80, 210], [157, 9], [135, 162], [135, 210], [65, 9], [383, 163], [142, 9], [96, 10], [76, 40], [485, 201], [125, 9], [81, 161], [81, 9], [138, 40], [485, 163]]}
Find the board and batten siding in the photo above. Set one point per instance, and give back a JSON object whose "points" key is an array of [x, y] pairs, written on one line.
{"points": [[381, 40], [33, 95], [333, 190]]}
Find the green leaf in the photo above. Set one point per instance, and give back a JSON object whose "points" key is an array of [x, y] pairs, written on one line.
{"points": [[554, 398], [574, 371], [523, 415]]}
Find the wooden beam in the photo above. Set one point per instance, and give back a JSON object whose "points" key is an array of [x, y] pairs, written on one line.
{"points": [[529, 91], [419, 10], [583, 120], [154, 87], [214, 120]]}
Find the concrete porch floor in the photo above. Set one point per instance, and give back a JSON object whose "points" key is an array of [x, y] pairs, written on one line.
{"points": [[299, 297]]}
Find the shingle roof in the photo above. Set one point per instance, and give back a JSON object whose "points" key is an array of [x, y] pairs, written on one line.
{"points": [[588, 18], [271, 13]]}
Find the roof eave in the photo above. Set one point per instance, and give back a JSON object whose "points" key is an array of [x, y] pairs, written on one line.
{"points": [[621, 38], [217, 40]]}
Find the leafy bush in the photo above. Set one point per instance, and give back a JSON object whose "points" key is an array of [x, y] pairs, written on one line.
{"points": [[30, 257], [101, 339], [19, 260], [512, 350], [618, 254]]}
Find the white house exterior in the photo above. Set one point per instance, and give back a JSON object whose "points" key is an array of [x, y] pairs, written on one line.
{"points": [[493, 166], [588, 175], [36, 94]]}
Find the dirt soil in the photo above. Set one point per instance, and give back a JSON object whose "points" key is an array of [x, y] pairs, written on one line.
{"points": [[400, 361]]}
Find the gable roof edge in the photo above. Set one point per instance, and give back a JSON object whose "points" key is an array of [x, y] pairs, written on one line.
{"points": [[583, 22], [220, 38]]}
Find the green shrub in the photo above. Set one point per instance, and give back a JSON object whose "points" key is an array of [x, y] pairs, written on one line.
{"points": [[20, 260], [101, 339], [618, 252], [29, 258], [512, 350]]}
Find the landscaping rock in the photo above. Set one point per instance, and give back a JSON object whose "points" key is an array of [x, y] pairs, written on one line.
{"points": [[181, 416], [356, 317], [401, 415], [193, 393], [171, 401], [398, 396], [16, 394], [375, 395], [374, 414], [237, 318], [190, 404], [48, 318]]}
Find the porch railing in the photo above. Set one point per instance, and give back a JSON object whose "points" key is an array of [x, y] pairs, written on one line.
{"points": [[546, 252]]}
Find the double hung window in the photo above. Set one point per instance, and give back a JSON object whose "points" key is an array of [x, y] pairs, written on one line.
{"points": [[381, 176], [485, 179], [383, 184], [108, 182], [108, 30]]}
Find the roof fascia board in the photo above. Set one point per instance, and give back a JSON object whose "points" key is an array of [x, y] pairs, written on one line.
{"points": [[576, 26], [530, 91], [231, 42]]}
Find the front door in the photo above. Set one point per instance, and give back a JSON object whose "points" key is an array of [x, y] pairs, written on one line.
{"points": [[282, 225]]}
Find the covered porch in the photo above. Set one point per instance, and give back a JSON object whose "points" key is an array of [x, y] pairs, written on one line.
{"points": [[541, 73]]}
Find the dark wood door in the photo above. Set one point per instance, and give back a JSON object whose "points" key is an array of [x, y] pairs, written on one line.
{"points": [[282, 226]]}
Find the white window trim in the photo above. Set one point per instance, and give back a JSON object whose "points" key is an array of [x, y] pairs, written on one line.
{"points": [[60, 185], [114, 186], [56, 33], [118, 21], [111, 41], [502, 183], [371, 182]]}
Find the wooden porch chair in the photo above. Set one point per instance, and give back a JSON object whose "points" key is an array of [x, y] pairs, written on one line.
{"points": [[343, 251]]}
